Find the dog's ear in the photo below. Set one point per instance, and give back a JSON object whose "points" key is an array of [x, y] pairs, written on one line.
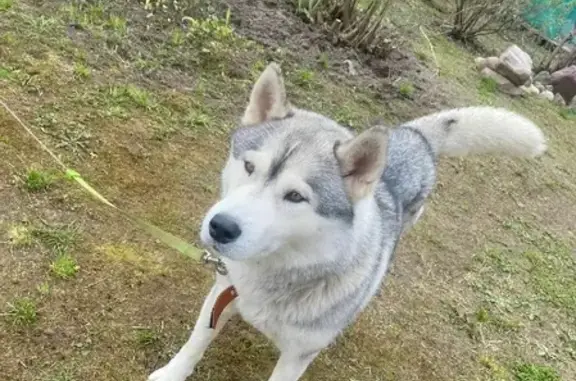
{"points": [[268, 98], [362, 160]]}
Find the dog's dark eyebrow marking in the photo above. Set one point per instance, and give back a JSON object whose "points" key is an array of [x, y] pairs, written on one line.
{"points": [[279, 162]]}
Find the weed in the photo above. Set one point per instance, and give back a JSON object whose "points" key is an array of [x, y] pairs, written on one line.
{"points": [[534, 372], [6, 4], [567, 113], [406, 90], [197, 119], [5, 73], [117, 24], [22, 311], [64, 266], [20, 236], [132, 94], [177, 37], [498, 371], [36, 180], [146, 337], [324, 61], [81, 71], [487, 87], [56, 239], [43, 288], [63, 375], [304, 78]]}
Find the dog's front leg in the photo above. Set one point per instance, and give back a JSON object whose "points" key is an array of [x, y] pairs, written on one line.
{"points": [[182, 365], [291, 366]]}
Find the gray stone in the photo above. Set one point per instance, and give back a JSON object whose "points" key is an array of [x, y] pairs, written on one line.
{"points": [[539, 86], [558, 98], [543, 77], [564, 83], [504, 85], [546, 94], [515, 65]]}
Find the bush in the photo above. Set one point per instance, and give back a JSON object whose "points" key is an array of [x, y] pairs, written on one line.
{"points": [[352, 22]]}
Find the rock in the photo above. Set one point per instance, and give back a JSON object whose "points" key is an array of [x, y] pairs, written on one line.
{"points": [[543, 77], [492, 62], [558, 98], [530, 90], [480, 63], [351, 69], [534, 90], [504, 85], [539, 86], [549, 88], [547, 94], [515, 64], [564, 83]]}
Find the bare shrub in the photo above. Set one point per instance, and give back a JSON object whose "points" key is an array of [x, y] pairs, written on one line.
{"points": [[350, 23]]}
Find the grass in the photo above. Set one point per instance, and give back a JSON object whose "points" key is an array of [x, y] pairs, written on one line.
{"points": [[406, 90], [481, 289], [20, 235], [81, 71], [6, 5], [146, 337], [22, 312], [57, 239], [64, 266], [533, 372], [38, 180], [487, 88]]}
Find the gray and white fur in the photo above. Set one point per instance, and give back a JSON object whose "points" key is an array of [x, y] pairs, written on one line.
{"points": [[310, 215]]}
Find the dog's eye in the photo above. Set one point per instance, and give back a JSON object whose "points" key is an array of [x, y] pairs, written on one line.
{"points": [[294, 196], [249, 167]]}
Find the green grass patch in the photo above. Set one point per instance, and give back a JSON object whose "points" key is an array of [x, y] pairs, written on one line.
{"points": [[81, 71], [22, 312], [304, 78], [406, 89], [37, 180], [131, 94], [534, 372], [146, 337], [487, 87], [58, 240], [64, 266], [6, 4]]}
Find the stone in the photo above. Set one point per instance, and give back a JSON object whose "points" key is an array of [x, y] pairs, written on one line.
{"points": [[515, 65], [504, 85], [558, 98], [564, 83], [549, 88], [529, 90], [539, 86], [543, 77], [351, 68], [480, 63], [533, 89], [547, 94]]}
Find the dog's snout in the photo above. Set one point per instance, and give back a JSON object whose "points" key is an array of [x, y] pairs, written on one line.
{"points": [[223, 228]]}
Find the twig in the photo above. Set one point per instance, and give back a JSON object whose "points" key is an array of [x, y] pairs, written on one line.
{"points": [[431, 49]]}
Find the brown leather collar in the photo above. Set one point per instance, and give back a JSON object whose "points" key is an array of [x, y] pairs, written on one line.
{"points": [[225, 298]]}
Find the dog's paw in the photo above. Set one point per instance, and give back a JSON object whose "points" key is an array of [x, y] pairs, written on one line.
{"points": [[171, 372]]}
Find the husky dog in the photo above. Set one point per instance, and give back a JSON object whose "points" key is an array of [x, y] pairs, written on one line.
{"points": [[311, 213]]}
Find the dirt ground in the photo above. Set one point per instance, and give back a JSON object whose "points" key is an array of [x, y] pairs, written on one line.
{"points": [[141, 101]]}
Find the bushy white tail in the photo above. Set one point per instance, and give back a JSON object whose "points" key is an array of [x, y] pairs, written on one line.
{"points": [[480, 130]]}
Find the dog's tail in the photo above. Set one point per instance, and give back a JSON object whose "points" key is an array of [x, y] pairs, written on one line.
{"points": [[481, 130]]}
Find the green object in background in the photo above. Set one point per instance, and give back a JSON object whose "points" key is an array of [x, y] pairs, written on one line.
{"points": [[554, 18]]}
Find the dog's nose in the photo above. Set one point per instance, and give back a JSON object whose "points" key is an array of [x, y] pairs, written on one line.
{"points": [[224, 229]]}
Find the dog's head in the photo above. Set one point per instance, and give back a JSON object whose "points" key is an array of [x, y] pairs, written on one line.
{"points": [[293, 178]]}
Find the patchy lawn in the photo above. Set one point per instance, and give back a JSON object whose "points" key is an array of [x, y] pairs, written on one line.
{"points": [[140, 100]]}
